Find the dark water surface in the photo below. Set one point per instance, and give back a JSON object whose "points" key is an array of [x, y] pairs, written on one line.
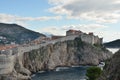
{"points": [[63, 73]]}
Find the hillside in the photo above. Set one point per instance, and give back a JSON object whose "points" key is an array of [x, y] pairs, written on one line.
{"points": [[112, 71], [113, 44], [16, 33]]}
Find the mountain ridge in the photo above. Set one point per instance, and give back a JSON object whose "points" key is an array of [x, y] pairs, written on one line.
{"points": [[16, 33], [113, 44]]}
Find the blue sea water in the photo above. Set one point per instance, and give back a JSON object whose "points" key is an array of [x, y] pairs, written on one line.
{"points": [[113, 50], [63, 73]]}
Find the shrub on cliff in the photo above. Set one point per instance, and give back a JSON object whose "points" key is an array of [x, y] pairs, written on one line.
{"points": [[93, 73], [78, 42]]}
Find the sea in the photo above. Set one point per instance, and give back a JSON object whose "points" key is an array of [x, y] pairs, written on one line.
{"points": [[62, 73], [65, 73]]}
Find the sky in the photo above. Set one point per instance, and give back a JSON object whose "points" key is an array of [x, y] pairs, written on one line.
{"points": [[102, 17]]}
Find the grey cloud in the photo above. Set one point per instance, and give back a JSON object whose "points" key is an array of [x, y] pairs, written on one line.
{"points": [[97, 10], [91, 5], [6, 18]]}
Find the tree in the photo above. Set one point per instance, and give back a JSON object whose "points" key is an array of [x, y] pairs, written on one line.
{"points": [[93, 73]]}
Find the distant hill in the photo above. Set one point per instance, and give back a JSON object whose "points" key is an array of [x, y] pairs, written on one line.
{"points": [[16, 33], [113, 44]]}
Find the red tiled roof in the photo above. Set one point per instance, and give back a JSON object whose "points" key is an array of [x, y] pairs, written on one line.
{"points": [[71, 30], [7, 47], [90, 33]]}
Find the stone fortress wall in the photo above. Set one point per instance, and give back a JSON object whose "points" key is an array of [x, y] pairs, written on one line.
{"points": [[7, 61], [88, 38], [8, 57], [91, 39]]}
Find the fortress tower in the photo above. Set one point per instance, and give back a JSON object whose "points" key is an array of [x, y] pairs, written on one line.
{"points": [[73, 32], [89, 38]]}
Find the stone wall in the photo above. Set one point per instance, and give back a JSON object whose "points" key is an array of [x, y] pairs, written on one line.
{"points": [[6, 63], [91, 39], [62, 50], [64, 53], [7, 57], [88, 38]]}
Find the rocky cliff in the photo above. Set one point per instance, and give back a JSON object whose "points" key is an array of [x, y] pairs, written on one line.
{"points": [[112, 71], [67, 53], [61, 53]]}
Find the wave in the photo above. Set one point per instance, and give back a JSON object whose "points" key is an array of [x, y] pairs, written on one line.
{"points": [[61, 68]]}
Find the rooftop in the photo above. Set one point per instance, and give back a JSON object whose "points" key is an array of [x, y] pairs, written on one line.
{"points": [[7, 47]]}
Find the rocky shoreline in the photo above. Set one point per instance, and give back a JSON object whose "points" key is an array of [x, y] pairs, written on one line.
{"points": [[112, 71], [69, 52]]}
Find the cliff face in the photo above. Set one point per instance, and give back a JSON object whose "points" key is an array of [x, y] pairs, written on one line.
{"points": [[67, 53], [112, 71], [63, 52]]}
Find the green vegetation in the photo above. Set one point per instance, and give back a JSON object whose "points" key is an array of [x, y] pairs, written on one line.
{"points": [[93, 73], [32, 54], [98, 45], [113, 44], [78, 42], [107, 62], [70, 43]]}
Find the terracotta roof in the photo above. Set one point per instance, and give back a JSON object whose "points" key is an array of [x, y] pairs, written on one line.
{"points": [[71, 30], [7, 47], [90, 33]]}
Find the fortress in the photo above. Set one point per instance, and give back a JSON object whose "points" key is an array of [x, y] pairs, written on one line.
{"points": [[88, 38], [9, 56]]}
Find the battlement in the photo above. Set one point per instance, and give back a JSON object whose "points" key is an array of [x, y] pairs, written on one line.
{"points": [[91, 39], [88, 38], [73, 32]]}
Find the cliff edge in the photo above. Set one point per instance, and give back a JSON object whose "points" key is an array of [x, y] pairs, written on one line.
{"points": [[112, 71], [67, 51]]}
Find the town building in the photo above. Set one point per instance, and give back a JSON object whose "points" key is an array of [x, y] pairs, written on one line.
{"points": [[56, 37], [73, 32]]}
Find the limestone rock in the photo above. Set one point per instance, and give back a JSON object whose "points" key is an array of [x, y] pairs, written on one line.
{"points": [[112, 71], [67, 53]]}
